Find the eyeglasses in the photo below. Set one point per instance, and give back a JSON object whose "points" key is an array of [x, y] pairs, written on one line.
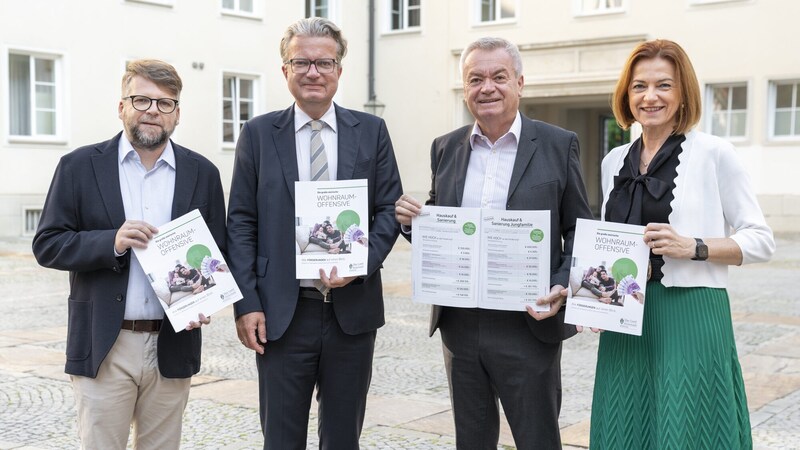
{"points": [[302, 65], [143, 103]]}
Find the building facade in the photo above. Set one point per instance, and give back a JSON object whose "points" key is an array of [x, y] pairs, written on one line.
{"points": [[61, 66]]}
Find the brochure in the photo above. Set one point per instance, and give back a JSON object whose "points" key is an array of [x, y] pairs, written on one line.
{"points": [[187, 270], [331, 227], [484, 258], [608, 277]]}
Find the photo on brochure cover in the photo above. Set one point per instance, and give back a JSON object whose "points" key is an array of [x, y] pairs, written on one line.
{"points": [[326, 235], [611, 284], [193, 275]]}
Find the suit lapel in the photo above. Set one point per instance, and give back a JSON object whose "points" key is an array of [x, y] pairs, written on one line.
{"points": [[462, 155], [525, 151], [105, 164], [185, 180], [349, 135], [283, 136]]}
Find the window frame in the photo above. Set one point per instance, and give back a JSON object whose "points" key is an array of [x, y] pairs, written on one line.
{"points": [[29, 213], [236, 100], [332, 8], [59, 96], [579, 11], [772, 109], [708, 112], [405, 8], [477, 10], [713, 2], [165, 3], [236, 11]]}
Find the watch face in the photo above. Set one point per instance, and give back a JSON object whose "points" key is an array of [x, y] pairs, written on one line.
{"points": [[700, 251]]}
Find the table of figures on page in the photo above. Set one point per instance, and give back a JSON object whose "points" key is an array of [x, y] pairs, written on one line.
{"points": [[444, 259], [516, 256]]}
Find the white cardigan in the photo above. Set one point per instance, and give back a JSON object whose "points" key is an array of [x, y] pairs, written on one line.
{"points": [[714, 198]]}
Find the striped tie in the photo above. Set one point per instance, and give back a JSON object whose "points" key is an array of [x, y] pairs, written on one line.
{"points": [[319, 160], [319, 172]]}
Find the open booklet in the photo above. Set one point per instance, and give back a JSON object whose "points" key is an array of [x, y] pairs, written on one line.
{"points": [[608, 277], [331, 227], [187, 270], [471, 257]]}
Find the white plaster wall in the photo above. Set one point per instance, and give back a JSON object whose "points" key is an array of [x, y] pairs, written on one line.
{"points": [[417, 75]]}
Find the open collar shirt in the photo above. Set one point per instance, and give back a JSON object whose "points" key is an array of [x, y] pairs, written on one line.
{"points": [[490, 167], [146, 196]]}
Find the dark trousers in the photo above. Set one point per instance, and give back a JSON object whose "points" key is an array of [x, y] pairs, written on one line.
{"points": [[491, 355], [314, 351]]}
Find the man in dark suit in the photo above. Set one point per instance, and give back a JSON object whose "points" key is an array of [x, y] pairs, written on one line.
{"points": [[309, 333], [505, 161], [127, 364]]}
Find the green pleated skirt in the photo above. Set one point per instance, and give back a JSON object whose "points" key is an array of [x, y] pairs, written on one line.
{"points": [[678, 385]]}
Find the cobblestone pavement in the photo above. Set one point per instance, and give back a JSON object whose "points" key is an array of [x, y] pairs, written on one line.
{"points": [[408, 406]]}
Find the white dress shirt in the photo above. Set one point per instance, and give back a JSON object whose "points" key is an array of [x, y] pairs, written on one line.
{"points": [[302, 130], [490, 167], [146, 196], [302, 139]]}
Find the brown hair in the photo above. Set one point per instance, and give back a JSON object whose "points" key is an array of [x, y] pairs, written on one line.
{"points": [[688, 114], [162, 74]]}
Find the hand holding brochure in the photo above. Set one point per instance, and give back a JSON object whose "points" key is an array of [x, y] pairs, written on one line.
{"points": [[608, 277], [493, 259], [187, 271]]}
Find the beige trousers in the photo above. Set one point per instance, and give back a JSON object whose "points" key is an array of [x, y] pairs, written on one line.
{"points": [[130, 392]]}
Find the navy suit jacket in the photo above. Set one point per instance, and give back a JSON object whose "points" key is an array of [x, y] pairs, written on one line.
{"points": [[261, 213], [546, 176], [79, 222]]}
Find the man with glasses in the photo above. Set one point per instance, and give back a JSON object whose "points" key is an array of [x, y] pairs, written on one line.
{"points": [[127, 364], [317, 333]]}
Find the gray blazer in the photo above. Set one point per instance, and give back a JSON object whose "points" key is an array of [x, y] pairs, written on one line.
{"points": [[546, 176]]}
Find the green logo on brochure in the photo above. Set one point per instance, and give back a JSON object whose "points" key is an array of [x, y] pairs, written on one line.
{"points": [[469, 228], [537, 235]]}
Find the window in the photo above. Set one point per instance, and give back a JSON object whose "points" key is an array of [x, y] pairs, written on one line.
{"points": [[726, 110], [34, 95], [496, 10], [238, 105], [595, 7], [238, 6], [705, 2], [30, 218], [318, 8], [785, 109], [405, 14]]}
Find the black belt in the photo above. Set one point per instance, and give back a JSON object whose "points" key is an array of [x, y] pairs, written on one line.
{"points": [[311, 293], [151, 326]]}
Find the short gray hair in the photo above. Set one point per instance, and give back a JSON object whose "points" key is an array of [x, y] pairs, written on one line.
{"points": [[491, 43], [314, 27]]}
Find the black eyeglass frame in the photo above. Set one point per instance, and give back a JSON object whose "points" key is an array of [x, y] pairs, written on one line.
{"points": [[157, 100], [312, 62]]}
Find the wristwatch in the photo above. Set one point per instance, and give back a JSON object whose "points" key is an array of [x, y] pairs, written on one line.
{"points": [[700, 251]]}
